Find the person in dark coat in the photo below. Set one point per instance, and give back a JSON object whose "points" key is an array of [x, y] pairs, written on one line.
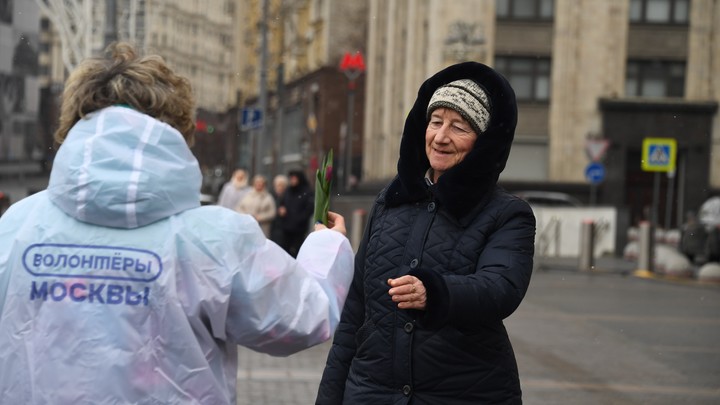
{"points": [[280, 183], [693, 239], [446, 256], [296, 209]]}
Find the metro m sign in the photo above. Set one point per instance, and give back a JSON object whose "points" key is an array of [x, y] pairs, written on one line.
{"points": [[352, 65]]}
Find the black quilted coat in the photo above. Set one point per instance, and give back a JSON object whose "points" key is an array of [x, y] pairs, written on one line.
{"points": [[469, 242]]}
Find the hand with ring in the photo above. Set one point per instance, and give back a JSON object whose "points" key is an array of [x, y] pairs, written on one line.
{"points": [[408, 292]]}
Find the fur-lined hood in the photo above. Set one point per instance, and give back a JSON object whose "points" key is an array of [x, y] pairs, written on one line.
{"points": [[465, 186]]}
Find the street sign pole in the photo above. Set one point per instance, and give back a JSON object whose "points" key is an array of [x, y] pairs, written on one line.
{"points": [[595, 148], [595, 174], [658, 155], [352, 66], [669, 200], [654, 221]]}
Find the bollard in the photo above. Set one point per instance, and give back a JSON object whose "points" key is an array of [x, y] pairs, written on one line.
{"points": [[587, 245], [357, 227], [645, 245]]}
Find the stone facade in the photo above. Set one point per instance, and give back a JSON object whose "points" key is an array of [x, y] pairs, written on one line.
{"points": [[303, 35], [405, 46], [703, 81], [588, 43], [195, 38]]}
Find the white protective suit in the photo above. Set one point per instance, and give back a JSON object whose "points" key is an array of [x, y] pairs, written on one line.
{"points": [[116, 287]]}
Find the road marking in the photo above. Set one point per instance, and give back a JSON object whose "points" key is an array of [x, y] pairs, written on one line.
{"points": [[536, 383], [686, 349], [614, 317], [312, 376], [274, 374]]}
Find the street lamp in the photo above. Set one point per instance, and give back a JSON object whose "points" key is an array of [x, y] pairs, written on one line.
{"points": [[352, 66]]}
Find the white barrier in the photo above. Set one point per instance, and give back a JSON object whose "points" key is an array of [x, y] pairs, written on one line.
{"points": [[559, 230]]}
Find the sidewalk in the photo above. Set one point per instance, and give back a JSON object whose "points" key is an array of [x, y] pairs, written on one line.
{"points": [[614, 265], [605, 264], [593, 338], [293, 380]]}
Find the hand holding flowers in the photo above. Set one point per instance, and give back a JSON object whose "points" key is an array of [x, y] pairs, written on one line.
{"points": [[323, 182]]}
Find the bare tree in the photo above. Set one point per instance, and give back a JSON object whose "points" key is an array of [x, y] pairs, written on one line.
{"points": [[77, 24]]}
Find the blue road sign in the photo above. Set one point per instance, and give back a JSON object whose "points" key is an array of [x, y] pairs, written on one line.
{"points": [[595, 172], [659, 154], [251, 118]]}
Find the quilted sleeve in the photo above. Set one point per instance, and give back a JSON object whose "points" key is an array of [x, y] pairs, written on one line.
{"points": [[499, 283]]}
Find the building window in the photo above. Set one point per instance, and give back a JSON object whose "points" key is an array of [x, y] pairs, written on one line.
{"points": [[659, 11], [524, 9], [655, 79], [529, 76]]}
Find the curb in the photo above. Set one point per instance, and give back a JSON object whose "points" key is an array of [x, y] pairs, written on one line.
{"points": [[646, 274]]}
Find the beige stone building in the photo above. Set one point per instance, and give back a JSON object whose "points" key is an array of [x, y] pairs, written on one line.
{"points": [[611, 70], [306, 110], [195, 37], [218, 45], [303, 35]]}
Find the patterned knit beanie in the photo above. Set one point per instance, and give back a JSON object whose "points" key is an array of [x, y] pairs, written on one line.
{"points": [[467, 98]]}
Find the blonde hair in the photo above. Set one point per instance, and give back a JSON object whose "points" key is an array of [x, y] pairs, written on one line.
{"points": [[123, 77]]}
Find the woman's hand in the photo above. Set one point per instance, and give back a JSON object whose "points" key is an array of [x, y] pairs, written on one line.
{"points": [[408, 291], [336, 222]]}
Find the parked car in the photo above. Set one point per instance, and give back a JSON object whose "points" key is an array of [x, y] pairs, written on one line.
{"points": [[207, 199], [549, 198]]}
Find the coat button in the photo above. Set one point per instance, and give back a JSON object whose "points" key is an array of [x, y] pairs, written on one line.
{"points": [[409, 327], [431, 207], [414, 263], [407, 390]]}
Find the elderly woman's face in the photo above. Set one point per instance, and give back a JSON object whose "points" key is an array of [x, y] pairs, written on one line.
{"points": [[259, 183], [448, 139]]}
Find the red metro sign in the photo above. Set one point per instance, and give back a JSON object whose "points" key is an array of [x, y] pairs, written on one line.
{"points": [[352, 63]]}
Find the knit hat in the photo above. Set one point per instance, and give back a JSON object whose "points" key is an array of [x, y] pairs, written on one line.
{"points": [[466, 97]]}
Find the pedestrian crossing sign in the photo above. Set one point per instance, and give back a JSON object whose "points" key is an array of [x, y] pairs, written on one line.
{"points": [[659, 154]]}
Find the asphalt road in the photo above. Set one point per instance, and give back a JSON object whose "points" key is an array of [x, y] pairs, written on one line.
{"points": [[580, 338]]}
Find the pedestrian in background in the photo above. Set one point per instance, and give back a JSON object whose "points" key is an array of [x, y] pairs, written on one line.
{"points": [[4, 202], [234, 190], [117, 287], [296, 210], [693, 239], [446, 256], [280, 183], [259, 203]]}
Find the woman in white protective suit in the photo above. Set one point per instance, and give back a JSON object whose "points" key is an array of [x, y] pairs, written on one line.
{"points": [[117, 287]]}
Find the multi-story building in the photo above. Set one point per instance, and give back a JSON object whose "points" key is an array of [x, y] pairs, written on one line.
{"points": [[584, 71], [218, 45], [21, 147], [295, 78], [195, 37]]}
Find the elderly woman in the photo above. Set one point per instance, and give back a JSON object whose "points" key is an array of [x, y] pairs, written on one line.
{"points": [[259, 203], [117, 287], [446, 256]]}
